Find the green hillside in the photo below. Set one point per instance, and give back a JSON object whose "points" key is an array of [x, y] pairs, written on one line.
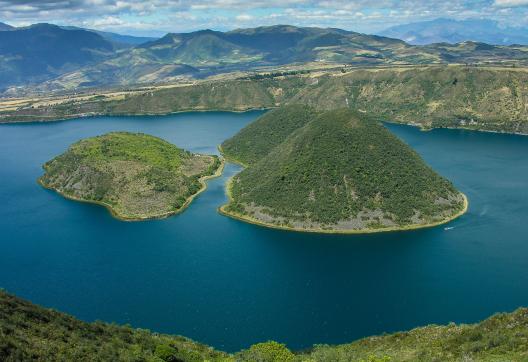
{"points": [[136, 176], [31, 333], [491, 99], [451, 96], [258, 138], [341, 172]]}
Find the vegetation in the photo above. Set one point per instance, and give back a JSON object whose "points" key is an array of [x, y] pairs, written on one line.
{"points": [[32, 333], [339, 172], [478, 98], [258, 138], [137, 176]]}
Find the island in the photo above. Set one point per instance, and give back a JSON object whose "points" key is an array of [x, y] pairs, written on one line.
{"points": [[136, 176], [333, 172]]}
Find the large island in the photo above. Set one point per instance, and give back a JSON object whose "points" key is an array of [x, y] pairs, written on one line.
{"points": [[333, 172], [136, 176]]}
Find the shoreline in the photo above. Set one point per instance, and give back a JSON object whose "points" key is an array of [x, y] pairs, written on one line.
{"points": [[253, 221], [43, 119], [165, 215], [102, 114]]}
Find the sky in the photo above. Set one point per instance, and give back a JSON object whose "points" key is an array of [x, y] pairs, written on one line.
{"points": [[157, 17]]}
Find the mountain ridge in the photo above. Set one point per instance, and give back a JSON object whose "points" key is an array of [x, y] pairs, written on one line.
{"points": [[186, 56]]}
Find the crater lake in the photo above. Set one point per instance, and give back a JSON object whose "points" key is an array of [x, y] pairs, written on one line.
{"points": [[230, 284]]}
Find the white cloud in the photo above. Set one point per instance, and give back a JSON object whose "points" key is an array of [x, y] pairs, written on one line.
{"points": [[511, 3], [244, 17], [141, 16]]}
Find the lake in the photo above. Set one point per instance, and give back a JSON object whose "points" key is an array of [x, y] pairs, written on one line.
{"points": [[230, 284]]}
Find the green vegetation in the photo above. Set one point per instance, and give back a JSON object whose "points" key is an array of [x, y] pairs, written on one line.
{"points": [[136, 176], [32, 333], [491, 99], [339, 172], [29, 332], [258, 138]]}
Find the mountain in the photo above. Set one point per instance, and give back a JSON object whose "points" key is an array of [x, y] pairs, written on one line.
{"points": [[208, 52], [339, 172], [280, 44], [6, 27], [43, 51], [31, 332], [456, 31], [136, 176], [103, 63]]}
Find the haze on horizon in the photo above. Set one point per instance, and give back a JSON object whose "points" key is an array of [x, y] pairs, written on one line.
{"points": [[157, 17]]}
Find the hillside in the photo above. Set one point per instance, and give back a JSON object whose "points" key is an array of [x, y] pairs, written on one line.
{"points": [[340, 172], [136, 176], [257, 139], [456, 31], [480, 98], [45, 335], [490, 99]]}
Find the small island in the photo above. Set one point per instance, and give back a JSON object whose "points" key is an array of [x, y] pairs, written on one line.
{"points": [[134, 175], [333, 172]]}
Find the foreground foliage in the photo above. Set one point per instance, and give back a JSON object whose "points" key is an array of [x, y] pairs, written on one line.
{"points": [[336, 171], [32, 333], [137, 176]]}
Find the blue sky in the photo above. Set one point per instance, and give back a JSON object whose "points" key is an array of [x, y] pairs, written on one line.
{"points": [[157, 17]]}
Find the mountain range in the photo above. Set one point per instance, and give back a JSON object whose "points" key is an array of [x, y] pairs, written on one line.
{"points": [[49, 57], [454, 31]]}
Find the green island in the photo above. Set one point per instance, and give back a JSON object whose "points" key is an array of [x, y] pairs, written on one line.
{"points": [[333, 172], [32, 333], [134, 175]]}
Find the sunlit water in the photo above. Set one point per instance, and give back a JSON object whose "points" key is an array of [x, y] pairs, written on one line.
{"points": [[230, 284]]}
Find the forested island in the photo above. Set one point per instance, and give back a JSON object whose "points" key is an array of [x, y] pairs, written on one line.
{"points": [[334, 172], [30, 332], [136, 176]]}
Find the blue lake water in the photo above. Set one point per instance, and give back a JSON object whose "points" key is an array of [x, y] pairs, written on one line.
{"points": [[230, 284]]}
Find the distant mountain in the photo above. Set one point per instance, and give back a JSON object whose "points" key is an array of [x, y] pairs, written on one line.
{"points": [[208, 52], [68, 58], [279, 44], [119, 39], [5, 27], [42, 51], [456, 31]]}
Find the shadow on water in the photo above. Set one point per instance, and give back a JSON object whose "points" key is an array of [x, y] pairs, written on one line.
{"points": [[230, 284]]}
